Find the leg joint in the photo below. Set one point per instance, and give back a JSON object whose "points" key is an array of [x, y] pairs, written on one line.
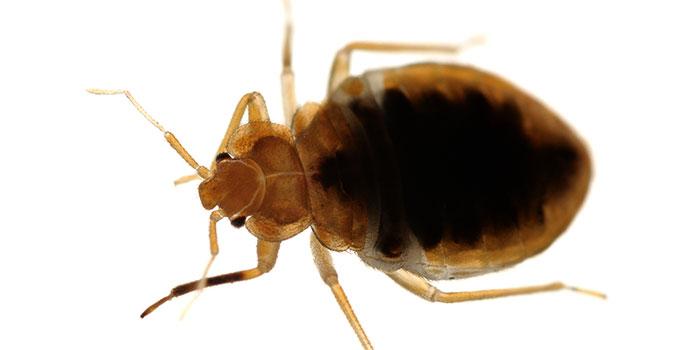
{"points": [[265, 265], [216, 215], [431, 294], [330, 279]]}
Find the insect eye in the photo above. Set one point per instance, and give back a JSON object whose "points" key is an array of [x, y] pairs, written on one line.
{"points": [[223, 155], [239, 222]]}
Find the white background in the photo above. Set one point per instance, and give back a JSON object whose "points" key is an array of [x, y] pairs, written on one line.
{"points": [[92, 229]]}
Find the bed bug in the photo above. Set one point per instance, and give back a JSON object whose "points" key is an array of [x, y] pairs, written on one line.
{"points": [[429, 171]]}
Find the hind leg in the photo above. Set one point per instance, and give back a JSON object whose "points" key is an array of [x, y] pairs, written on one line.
{"points": [[341, 63], [424, 289]]}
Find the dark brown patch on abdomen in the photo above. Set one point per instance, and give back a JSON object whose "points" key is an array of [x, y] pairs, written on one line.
{"points": [[457, 165], [467, 166], [457, 159]]}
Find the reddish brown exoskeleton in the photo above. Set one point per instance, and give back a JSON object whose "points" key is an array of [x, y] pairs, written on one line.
{"points": [[428, 172]]}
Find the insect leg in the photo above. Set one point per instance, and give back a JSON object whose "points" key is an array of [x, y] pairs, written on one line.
{"points": [[257, 111], [287, 75], [215, 217], [341, 63], [266, 258], [424, 289], [324, 262]]}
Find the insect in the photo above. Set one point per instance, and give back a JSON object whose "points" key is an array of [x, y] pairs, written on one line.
{"points": [[428, 171]]}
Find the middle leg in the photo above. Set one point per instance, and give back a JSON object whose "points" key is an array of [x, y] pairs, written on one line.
{"points": [[287, 74], [324, 262]]}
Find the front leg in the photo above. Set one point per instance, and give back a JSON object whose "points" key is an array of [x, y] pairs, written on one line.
{"points": [[266, 258], [254, 103]]}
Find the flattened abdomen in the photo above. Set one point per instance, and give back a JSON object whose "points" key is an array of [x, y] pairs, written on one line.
{"points": [[443, 170], [485, 174]]}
